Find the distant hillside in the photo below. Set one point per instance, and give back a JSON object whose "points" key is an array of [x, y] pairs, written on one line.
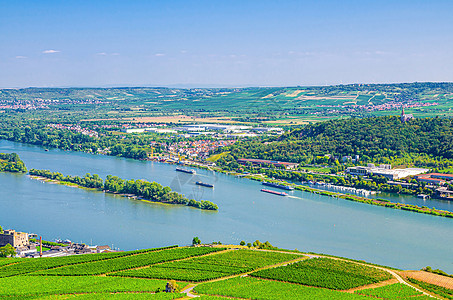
{"points": [[372, 137], [426, 98]]}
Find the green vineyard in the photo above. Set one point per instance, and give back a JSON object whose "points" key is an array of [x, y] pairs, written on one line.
{"points": [[327, 273], [128, 262], [214, 266], [212, 273]]}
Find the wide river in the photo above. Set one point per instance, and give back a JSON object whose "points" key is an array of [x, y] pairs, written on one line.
{"points": [[303, 220]]}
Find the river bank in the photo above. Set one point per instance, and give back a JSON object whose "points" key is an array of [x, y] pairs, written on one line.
{"points": [[378, 202]]}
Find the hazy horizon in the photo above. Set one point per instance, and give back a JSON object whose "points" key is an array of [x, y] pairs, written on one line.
{"points": [[208, 86]]}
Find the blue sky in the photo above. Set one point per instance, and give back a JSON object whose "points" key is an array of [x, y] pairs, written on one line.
{"points": [[224, 43]]}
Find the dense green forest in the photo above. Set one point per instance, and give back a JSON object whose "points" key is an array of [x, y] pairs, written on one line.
{"points": [[427, 141], [10, 162], [148, 190]]}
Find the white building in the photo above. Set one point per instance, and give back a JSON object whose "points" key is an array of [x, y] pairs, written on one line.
{"points": [[384, 170]]}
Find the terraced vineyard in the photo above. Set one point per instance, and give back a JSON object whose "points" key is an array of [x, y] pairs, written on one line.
{"points": [[255, 288], [242, 274], [327, 273], [8, 261], [393, 291], [19, 286], [439, 290], [211, 267], [128, 262], [32, 265], [120, 296]]}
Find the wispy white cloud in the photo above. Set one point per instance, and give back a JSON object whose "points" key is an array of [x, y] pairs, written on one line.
{"points": [[50, 51], [159, 54], [21, 57], [101, 53]]}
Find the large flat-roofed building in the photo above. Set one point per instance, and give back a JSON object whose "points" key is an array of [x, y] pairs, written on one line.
{"points": [[383, 170], [433, 181], [435, 178], [447, 177], [15, 239], [264, 162]]}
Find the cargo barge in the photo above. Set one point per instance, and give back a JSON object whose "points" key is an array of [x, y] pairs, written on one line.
{"points": [[186, 171], [274, 192], [204, 184], [279, 186]]}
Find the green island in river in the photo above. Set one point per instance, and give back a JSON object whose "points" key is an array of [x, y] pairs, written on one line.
{"points": [[140, 189]]}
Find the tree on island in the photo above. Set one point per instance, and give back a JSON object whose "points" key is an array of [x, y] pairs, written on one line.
{"points": [[1, 230], [7, 251], [196, 241]]}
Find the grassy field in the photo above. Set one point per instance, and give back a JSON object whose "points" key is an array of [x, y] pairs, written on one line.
{"points": [[225, 272]]}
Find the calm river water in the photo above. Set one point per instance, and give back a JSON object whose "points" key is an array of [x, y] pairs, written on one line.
{"points": [[304, 221]]}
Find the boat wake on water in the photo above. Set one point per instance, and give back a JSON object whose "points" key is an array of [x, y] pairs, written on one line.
{"points": [[295, 197]]}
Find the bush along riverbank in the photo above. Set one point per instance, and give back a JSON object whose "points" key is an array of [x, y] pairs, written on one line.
{"points": [[142, 189], [378, 202]]}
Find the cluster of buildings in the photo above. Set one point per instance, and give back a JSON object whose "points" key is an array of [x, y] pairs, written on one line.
{"points": [[24, 247], [23, 106], [385, 170], [435, 178], [197, 149], [391, 105], [75, 128], [228, 131]]}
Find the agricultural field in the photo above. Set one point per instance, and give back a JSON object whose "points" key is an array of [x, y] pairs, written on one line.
{"points": [[242, 274], [48, 285], [128, 262], [8, 261], [392, 291], [118, 296], [289, 106], [255, 288], [213, 266], [436, 289], [32, 265], [327, 273]]}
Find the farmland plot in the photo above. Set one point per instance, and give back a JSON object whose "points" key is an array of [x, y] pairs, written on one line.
{"points": [[32, 265], [129, 262], [327, 273], [255, 288], [213, 266]]}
